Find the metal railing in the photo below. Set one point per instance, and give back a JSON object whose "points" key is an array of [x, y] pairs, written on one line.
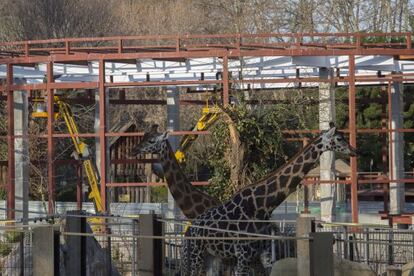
{"points": [[215, 42], [376, 246], [15, 252]]}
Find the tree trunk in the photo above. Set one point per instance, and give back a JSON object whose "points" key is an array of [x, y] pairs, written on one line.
{"points": [[235, 155]]}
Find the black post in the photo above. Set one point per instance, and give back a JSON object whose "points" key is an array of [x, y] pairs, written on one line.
{"points": [[22, 254], [56, 248], [75, 244], [321, 254], [150, 251], [390, 247], [82, 246], [351, 248]]}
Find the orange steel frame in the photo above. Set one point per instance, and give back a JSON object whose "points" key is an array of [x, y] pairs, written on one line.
{"points": [[128, 49]]}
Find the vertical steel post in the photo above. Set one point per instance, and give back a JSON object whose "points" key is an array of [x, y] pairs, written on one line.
{"points": [[102, 139], [10, 143], [367, 245], [225, 81], [79, 194], [305, 188], [384, 148], [352, 138], [352, 246], [391, 153], [135, 232], [50, 146], [321, 253]]}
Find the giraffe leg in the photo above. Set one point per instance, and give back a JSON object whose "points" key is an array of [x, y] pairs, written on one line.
{"points": [[192, 258], [244, 254], [197, 263]]}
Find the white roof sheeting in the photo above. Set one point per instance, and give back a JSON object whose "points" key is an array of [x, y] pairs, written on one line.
{"points": [[254, 68]]}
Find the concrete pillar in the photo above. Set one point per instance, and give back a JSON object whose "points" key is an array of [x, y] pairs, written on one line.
{"points": [[45, 254], [173, 123], [327, 160], [396, 148], [304, 226], [394, 271], [21, 153], [97, 143]]}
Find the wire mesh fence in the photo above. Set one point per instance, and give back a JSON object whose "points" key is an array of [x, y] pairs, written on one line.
{"points": [[119, 249], [378, 247], [15, 252], [271, 250]]}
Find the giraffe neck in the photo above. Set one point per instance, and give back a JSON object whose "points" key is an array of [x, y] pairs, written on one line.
{"points": [[260, 199], [189, 199]]}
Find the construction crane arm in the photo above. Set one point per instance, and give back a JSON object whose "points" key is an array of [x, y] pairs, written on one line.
{"points": [[209, 116], [82, 153]]}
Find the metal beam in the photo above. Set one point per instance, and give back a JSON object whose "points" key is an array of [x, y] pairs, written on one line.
{"points": [[352, 138], [102, 129], [234, 53], [10, 144], [51, 188]]}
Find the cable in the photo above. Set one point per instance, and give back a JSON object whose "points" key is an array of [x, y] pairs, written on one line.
{"points": [[236, 232]]}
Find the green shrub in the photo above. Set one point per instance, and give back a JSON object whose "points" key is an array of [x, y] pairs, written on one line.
{"points": [[5, 248], [12, 237]]}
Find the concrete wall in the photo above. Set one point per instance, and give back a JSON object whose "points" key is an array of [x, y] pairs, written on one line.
{"points": [[288, 267]]}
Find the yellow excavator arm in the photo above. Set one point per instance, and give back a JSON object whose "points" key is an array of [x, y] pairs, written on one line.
{"points": [[208, 118], [81, 152]]}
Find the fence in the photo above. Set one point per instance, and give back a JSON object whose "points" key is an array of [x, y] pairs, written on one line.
{"points": [[125, 247], [15, 252], [377, 247]]}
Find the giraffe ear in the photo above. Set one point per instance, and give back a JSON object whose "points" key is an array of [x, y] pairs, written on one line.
{"points": [[165, 135]]}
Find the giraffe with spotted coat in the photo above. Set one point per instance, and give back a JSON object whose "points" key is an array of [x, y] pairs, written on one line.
{"points": [[191, 201], [254, 202]]}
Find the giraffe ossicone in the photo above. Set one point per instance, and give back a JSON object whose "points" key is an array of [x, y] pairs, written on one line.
{"points": [[254, 202]]}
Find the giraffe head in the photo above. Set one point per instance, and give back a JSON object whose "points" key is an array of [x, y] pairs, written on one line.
{"points": [[152, 142], [333, 140]]}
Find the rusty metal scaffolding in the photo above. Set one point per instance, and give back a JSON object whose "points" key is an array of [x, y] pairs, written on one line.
{"points": [[129, 49]]}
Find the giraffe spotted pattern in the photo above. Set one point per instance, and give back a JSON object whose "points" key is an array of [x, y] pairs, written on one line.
{"points": [[254, 202], [189, 199]]}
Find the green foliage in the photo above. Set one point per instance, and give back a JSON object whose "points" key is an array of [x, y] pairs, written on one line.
{"points": [[3, 194], [409, 116], [159, 194], [5, 248], [12, 236], [260, 130], [383, 39]]}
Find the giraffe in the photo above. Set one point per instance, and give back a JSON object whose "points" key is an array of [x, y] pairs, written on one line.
{"points": [[189, 199], [254, 202]]}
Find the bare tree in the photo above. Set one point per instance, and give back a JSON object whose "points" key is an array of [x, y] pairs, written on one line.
{"points": [[35, 19]]}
